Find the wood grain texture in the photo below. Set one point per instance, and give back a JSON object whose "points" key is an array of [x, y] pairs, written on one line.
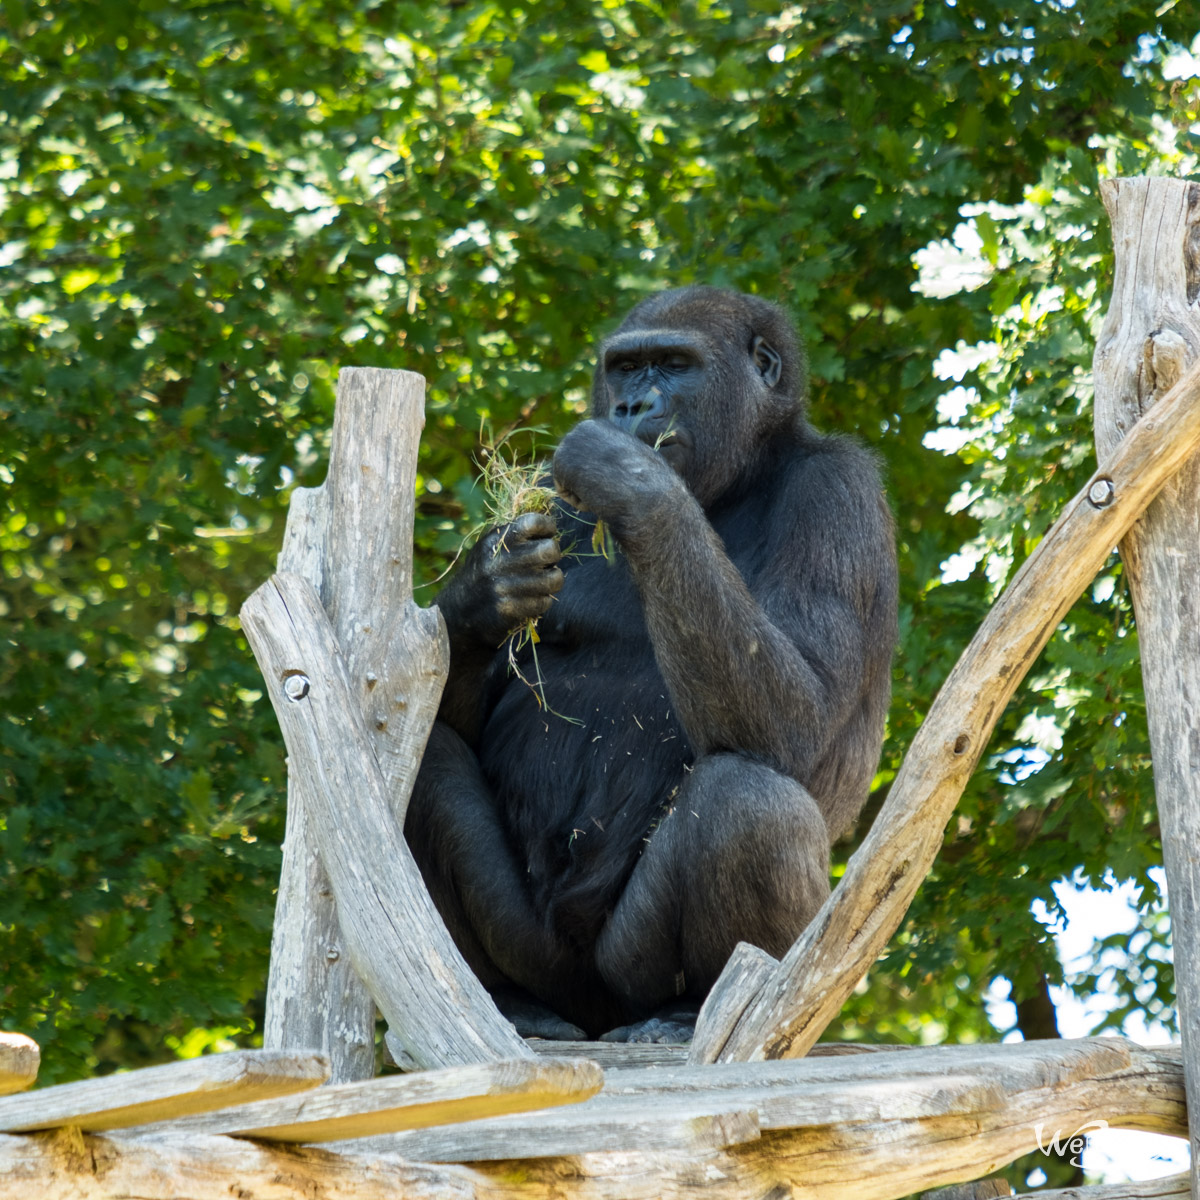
{"points": [[1169, 1187], [398, 1102], [20, 1057], [747, 972], [868, 1102], [684, 1124], [392, 933], [613, 1054], [1150, 336], [177, 1089], [979, 1189], [639, 1054], [897, 1141], [351, 540], [828, 959]]}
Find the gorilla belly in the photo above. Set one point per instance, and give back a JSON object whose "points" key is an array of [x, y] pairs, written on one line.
{"points": [[580, 785]]}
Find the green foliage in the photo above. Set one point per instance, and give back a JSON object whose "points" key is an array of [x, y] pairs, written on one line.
{"points": [[208, 209]]}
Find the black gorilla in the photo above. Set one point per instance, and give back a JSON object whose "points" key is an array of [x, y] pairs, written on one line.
{"points": [[727, 676]]}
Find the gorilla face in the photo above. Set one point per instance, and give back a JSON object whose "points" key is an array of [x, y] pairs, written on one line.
{"points": [[692, 374], [654, 380]]}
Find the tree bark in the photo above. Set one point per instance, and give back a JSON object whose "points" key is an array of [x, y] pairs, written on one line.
{"points": [[1150, 337], [351, 541]]}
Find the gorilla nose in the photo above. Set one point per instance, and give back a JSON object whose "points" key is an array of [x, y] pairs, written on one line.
{"points": [[630, 413]]}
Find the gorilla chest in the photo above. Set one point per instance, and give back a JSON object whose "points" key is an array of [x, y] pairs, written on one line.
{"points": [[606, 750]]}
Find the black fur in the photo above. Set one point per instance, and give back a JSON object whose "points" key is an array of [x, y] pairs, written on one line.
{"points": [[716, 693]]}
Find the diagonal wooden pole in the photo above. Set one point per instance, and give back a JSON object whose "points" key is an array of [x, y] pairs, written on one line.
{"points": [[1150, 336]]}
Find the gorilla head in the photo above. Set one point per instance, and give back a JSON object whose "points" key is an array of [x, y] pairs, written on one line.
{"points": [[705, 375]]}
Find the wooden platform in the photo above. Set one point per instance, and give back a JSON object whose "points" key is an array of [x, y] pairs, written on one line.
{"points": [[848, 1122]]}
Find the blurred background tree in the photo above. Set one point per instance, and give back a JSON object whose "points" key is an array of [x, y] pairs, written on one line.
{"points": [[207, 209]]}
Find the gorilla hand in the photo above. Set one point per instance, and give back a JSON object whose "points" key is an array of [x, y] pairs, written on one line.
{"points": [[601, 469], [510, 576]]}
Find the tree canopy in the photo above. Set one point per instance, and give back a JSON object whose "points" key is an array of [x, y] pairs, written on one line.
{"points": [[208, 209]]}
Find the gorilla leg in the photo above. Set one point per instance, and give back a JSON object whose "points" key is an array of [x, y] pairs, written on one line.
{"points": [[742, 856], [455, 832]]}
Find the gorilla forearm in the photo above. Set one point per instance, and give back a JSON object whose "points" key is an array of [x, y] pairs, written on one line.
{"points": [[737, 680]]}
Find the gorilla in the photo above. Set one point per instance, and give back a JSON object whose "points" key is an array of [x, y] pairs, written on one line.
{"points": [[715, 693]]}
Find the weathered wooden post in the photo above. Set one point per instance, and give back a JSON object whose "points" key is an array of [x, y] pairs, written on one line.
{"points": [[1150, 337], [355, 671]]}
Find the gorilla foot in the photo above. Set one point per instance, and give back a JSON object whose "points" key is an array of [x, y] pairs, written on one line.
{"points": [[533, 1019], [673, 1025]]}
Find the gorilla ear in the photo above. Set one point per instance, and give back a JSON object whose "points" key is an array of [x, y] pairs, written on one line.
{"points": [[767, 360]]}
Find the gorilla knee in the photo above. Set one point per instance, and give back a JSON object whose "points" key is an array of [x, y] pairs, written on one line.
{"points": [[760, 869]]}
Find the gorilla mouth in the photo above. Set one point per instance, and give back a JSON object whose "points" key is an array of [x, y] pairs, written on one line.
{"points": [[658, 435]]}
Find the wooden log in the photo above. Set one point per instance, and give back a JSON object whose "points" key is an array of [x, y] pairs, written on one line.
{"points": [[639, 1054], [314, 997], [654, 1124], [835, 1100], [613, 1054], [176, 1089], [392, 933], [397, 1102], [1150, 336], [352, 540], [19, 1059], [979, 1189], [745, 975], [1169, 1187], [898, 1145], [785, 1018]]}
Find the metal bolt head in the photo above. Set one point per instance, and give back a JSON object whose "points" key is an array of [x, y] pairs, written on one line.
{"points": [[1102, 493], [296, 687], [333, 954]]}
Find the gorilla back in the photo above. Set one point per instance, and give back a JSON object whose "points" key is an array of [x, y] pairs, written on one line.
{"points": [[716, 694]]}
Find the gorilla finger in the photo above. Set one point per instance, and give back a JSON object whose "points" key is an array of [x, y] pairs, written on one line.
{"points": [[528, 526], [543, 582], [516, 610], [538, 552]]}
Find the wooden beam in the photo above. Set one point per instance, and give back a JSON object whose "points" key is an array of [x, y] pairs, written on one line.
{"points": [[351, 542], [1005, 1091], [19, 1059], [314, 996], [1150, 337], [613, 1054], [655, 1123], [747, 972], [869, 1136], [1169, 1187], [390, 928], [785, 1017], [397, 1102], [175, 1089], [650, 1054]]}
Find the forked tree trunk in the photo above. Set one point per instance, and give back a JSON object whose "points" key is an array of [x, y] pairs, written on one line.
{"points": [[1150, 337], [355, 671]]}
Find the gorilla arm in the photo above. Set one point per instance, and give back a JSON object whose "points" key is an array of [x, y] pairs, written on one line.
{"points": [[510, 576], [773, 674]]}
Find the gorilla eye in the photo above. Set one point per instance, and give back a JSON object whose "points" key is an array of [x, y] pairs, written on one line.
{"points": [[627, 367]]}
